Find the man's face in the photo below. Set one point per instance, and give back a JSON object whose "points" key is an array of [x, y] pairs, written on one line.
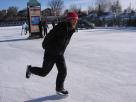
{"points": [[73, 22]]}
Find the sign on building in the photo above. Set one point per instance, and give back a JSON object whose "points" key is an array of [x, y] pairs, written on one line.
{"points": [[34, 18]]}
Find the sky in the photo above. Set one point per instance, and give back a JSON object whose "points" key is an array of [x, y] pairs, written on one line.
{"points": [[81, 3]]}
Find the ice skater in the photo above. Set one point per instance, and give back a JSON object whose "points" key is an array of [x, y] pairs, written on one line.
{"points": [[24, 28], [55, 44]]}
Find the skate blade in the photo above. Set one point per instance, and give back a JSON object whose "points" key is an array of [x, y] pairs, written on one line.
{"points": [[60, 94]]}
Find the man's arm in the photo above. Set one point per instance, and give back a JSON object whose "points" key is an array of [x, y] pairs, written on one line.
{"points": [[51, 35]]}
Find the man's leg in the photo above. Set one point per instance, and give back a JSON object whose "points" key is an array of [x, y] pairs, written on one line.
{"points": [[46, 68], [62, 72]]}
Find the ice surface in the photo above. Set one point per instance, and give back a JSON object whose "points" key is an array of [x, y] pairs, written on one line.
{"points": [[101, 67]]}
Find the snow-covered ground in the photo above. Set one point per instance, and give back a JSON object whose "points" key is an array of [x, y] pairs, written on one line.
{"points": [[101, 67]]}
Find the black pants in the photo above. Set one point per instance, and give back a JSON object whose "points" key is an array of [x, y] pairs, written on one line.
{"points": [[45, 31], [48, 62]]}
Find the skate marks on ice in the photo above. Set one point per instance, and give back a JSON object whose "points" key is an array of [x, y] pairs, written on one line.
{"points": [[46, 98]]}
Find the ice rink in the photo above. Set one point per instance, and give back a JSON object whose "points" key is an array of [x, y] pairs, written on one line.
{"points": [[101, 67]]}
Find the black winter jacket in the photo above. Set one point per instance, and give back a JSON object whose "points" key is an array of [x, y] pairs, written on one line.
{"points": [[57, 39]]}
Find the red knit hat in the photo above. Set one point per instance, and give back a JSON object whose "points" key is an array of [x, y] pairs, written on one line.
{"points": [[72, 15]]}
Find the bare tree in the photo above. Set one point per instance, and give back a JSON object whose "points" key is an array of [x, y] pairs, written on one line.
{"points": [[56, 6], [78, 10], [103, 5], [12, 11], [75, 8], [91, 9], [22, 14], [116, 7], [129, 8], [3, 14]]}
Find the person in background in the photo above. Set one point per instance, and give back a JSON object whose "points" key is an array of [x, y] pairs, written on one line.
{"points": [[24, 28], [45, 27], [55, 44], [40, 29]]}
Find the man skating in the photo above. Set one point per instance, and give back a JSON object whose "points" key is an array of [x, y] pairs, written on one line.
{"points": [[55, 44]]}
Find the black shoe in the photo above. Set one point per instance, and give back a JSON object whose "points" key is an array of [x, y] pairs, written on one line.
{"points": [[62, 92], [28, 73]]}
